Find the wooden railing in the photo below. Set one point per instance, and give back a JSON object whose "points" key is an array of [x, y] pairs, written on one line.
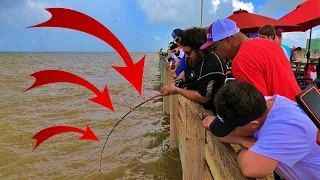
{"points": [[203, 156]]}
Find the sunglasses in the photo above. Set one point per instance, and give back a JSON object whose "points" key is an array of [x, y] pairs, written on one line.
{"points": [[214, 47]]}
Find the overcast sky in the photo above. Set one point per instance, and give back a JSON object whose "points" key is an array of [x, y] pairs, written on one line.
{"points": [[141, 25]]}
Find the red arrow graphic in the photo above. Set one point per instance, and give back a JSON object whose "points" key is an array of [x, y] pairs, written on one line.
{"points": [[54, 76], [45, 134], [70, 19]]}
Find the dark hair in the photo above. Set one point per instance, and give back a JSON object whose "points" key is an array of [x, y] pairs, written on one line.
{"points": [[298, 49], [267, 30], [194, 37], [173, 46], [279, 32], [239, 103]]}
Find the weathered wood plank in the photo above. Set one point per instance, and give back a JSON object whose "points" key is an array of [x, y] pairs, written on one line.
{"points": [[181, 130], [181, 126], [173, 122], [207, 173], [194, 147], [221, 156], [168, 80], [214, 167], [181, 152], [165, 99]]}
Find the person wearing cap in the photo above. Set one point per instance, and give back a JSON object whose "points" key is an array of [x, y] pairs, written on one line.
{"points": [[180, 64], [204, 73], [169, 52], [279, 40], [176, 58], [295, 53], [257, 61], [285, 135], [161, 52], [171, 56], [269, 32]]}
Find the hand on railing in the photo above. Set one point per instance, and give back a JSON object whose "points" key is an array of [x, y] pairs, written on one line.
{"points": [[232, 138], [167, 65], [173, 73], [207, 121], [167, 90]]}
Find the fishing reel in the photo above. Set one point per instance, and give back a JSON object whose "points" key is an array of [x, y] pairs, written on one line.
{"points": [[179, 83]]}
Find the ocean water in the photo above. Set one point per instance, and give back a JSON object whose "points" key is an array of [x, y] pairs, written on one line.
{"points": [[137, 149]]}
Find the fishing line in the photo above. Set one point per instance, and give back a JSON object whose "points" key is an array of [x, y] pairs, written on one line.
{"points": [[154, 97]]}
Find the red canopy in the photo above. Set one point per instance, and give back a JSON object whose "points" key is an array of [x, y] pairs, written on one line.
{"points": [[250, 23], [307, 15]]}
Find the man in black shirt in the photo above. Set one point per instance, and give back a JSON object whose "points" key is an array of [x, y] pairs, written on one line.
{"points": [[204, 73]]}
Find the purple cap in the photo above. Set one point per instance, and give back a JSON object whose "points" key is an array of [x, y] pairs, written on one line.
{"points": [[209, 38], [220, 30]]}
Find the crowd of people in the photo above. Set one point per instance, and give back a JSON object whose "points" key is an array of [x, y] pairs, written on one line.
{"points": [[257, 109]]}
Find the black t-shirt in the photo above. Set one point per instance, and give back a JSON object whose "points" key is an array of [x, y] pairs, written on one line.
{"points": [[191, 75], [207, 78]]}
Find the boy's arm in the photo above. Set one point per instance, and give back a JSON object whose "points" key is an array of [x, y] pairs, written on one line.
{"points": [[254, 165], [264, 156]]}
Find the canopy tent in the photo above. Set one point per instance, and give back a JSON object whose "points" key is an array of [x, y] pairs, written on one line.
{"points": [[307, 16], [250, 22]]}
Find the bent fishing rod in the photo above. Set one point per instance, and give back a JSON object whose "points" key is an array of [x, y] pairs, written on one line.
{"points": [[154, 97]]}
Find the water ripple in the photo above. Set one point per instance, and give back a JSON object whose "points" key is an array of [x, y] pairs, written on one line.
{"points": [[138, 148]]}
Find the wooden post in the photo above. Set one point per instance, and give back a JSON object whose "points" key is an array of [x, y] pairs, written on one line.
{"points": [[194, 160], [161, 61], [222, 159], [166, 99], [173, 122], [165, 74]]}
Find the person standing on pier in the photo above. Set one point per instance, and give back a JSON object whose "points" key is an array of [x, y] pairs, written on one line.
{"points": [[204, 73], [261, 62], [269, 32], [181, 57], [257, 60]]}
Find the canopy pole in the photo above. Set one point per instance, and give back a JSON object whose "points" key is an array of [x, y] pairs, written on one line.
{"points": [[201, 13], [309, 46]]}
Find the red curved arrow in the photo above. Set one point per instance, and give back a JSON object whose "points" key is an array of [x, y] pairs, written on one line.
{"points": [[45, 134], [70, 19], [54, 76]]}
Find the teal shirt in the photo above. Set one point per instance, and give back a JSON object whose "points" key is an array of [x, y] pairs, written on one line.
{"points": [[287, 48]]}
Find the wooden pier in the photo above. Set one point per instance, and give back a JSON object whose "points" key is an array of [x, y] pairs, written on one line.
{"points": [[203, 157]]}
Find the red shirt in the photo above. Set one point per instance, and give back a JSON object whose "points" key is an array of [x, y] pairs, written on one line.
{"points": [[263, 63]]}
